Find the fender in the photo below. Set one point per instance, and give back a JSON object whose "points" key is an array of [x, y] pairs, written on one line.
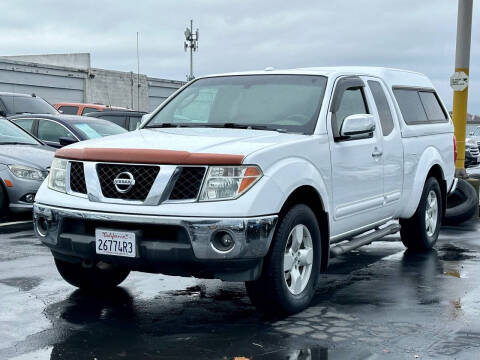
{"points": [[289, 170], [412, 189]]}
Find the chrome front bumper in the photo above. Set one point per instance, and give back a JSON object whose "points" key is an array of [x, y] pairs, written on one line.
{"points": [[252, 235]]}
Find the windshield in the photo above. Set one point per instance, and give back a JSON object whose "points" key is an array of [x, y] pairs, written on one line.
{"points": [[96, 129], [273, 102], [11, 134], [27, 105]]}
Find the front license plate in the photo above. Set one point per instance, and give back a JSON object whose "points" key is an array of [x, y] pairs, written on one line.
{"points": [[117, 243]]}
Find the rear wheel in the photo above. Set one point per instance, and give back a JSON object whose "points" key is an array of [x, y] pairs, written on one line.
{"points": [[420, 232], [290, 272], [101, 276]]}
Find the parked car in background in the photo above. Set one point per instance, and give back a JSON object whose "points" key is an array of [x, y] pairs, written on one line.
{"points": [[258, 177], [475, 135], [24, 163], [60, 130], [472, 153], [16, 103], [128, 119], [83, 108]]}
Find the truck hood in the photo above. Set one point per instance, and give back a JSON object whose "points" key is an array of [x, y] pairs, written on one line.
{"points": [[36, 156], [240, 142]]}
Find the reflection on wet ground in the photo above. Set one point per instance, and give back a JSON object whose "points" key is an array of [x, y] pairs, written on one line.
{"points": [[378, 302]]}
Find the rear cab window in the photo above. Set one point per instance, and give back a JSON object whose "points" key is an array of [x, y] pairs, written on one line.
{"points": [[419, 106], [69, 110], [87, 110], [27, 105]]}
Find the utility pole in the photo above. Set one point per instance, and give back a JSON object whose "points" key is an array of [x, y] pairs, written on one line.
{"points": [[459, 81], [138, 77], [191, 42]]}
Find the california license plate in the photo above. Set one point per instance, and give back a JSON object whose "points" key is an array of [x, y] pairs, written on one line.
{"points": [[117, 243]]}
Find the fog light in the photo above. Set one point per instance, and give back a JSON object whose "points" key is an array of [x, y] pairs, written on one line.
{"points": [[223, 241], [30, 197], [42, 226]]}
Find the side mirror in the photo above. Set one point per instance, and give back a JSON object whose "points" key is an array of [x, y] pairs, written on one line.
{"points": [[358, 124], [3, 113], [65, 140]]}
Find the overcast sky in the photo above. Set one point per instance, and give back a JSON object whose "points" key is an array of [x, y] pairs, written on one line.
{"points": [[247, 34]]}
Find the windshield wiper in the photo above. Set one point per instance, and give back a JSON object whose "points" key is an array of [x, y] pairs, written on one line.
{"points": [[213, 125], [167, 125], [15, 143], [248, 126]]}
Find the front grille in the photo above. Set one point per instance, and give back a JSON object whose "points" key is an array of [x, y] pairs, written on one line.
{"points": [[144, 176], [77, 177], [474, 151], [188, 183]]}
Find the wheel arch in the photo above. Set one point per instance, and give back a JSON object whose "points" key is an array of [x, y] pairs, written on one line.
{"points": [[5, 199], [430, 164], [308, 195]]}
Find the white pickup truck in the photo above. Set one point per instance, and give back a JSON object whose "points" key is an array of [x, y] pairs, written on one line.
{"points": [[258, 177]]}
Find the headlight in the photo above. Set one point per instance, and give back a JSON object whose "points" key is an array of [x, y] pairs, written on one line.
{"points": [[228, 182], [58, 175], [26, 172], [470, 143]]}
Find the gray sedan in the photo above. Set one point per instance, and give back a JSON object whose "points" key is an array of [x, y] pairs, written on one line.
{"points": [[24, 163]]}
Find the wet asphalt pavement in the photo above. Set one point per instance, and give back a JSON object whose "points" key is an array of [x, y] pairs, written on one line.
{"points": [[380, 302]]}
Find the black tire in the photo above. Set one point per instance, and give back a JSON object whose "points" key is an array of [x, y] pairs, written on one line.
{"points": [[91, 278], [413, 231], [270, 292], [461, 204], [3, 202]]}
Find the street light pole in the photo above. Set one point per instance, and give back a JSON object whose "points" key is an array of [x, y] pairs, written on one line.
{"points": [[191, 42], [459, 81]]}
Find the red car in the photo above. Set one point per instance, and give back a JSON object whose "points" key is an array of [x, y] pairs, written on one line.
{"points": [[82, 109]]}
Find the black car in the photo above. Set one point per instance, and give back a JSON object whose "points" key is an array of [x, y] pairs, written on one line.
{"points": [[128, 119], [472, 153], [16, 103], [60, 130]]}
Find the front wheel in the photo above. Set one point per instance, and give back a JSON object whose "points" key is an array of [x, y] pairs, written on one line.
{"points": [[290, 272], [420, 232], [3, 202], [100, 276]]}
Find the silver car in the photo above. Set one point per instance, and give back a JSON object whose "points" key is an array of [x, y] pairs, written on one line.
{"points": [[24, 163]]}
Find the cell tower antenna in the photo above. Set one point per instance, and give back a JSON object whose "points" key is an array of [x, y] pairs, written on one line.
{"points": [[191, 42]]}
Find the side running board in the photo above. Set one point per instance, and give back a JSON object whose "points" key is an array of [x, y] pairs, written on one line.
{"points": [[347, 246]]}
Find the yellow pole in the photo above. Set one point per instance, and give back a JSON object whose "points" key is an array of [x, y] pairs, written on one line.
{"points": [[460, 97], [459, 117]]}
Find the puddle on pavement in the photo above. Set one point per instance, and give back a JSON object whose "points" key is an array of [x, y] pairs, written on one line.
{"points": [[23, 283], [450, 252]]}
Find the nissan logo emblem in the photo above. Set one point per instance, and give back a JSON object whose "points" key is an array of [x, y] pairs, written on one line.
{"points": [[124, 182]]}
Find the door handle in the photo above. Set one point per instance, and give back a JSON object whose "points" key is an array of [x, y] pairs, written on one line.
{"points": [[377, 153]]}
